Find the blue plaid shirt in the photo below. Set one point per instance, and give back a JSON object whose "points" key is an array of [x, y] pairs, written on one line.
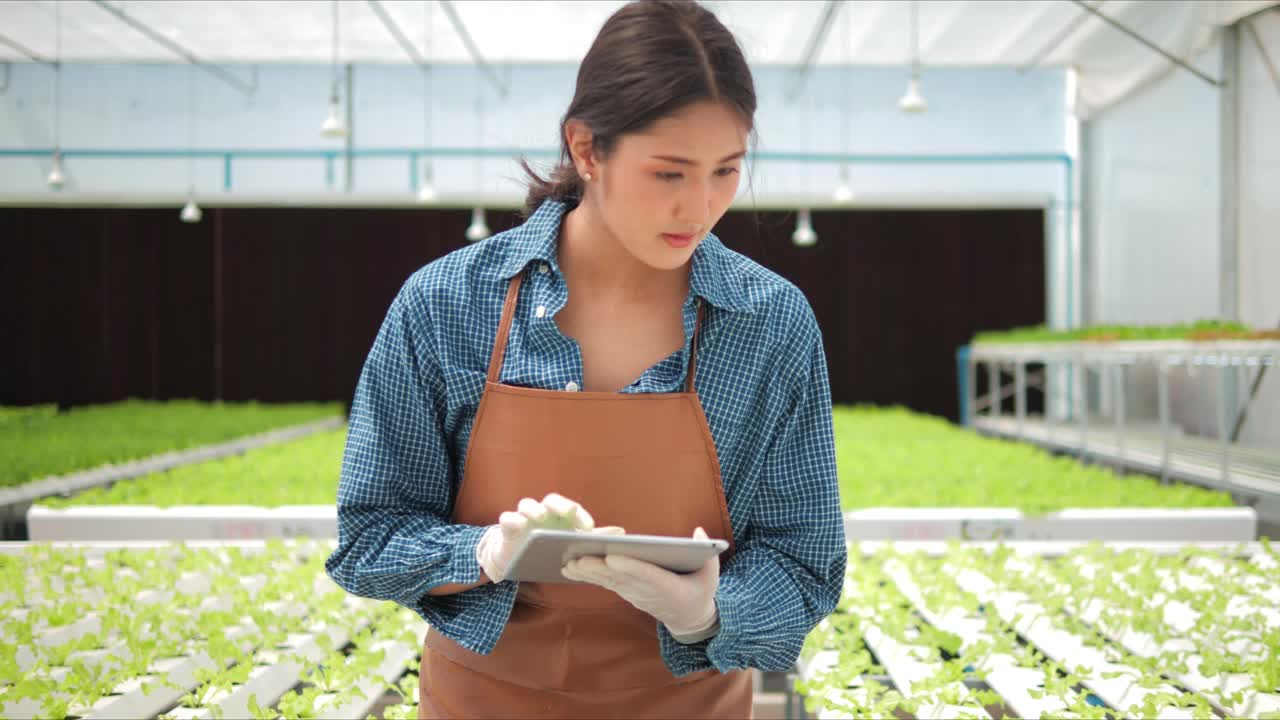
{"points": [[762, 379]]}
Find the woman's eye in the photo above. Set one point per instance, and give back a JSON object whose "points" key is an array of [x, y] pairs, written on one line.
{"points": [[669, 176]]}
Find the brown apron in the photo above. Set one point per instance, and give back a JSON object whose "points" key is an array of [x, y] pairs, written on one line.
{"points": [[646, 462]]}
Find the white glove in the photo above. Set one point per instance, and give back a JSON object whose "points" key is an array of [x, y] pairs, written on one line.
{"points": [[686, 604], [499, 542]]}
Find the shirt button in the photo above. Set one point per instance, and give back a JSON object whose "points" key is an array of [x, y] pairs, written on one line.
{"points": [[541, 311], [571, 386], [543, 268]]}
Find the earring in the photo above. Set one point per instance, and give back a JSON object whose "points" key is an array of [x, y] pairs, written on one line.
{"points": [[587, 177]]}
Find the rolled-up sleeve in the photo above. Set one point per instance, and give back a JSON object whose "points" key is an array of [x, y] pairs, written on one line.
{"points": [[789, 569], [395, 539]]}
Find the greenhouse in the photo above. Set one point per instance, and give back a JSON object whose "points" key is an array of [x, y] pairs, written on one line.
{"points": [[732, 358]]}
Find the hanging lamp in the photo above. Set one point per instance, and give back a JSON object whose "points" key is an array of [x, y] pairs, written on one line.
{"points": [[426, 190], [478, 229], [57, 177], [333, 125], [804, 236], [913, 100], [191, 211], [843, 192]]}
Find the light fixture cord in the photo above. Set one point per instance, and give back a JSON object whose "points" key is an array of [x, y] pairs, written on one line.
{"points": [[191, 128], [915, 39], [334, 62], [844, 88], [479, 140], [426, 92], [57, 76]]}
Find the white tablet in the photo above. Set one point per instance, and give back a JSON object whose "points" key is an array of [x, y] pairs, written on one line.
{"points": [[544, 552]]}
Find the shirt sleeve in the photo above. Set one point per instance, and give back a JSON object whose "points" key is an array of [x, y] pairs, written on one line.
{"points": [[788, 572], [395, 538]]}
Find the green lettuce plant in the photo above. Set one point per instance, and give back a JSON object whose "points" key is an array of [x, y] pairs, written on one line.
{"points": [[39, 442]]}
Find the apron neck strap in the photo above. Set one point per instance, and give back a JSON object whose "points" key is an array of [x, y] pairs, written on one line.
{"points": [[504, 331], [693, 350]]}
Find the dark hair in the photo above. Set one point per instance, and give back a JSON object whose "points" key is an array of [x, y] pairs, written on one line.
{"points": [[651, 59]]}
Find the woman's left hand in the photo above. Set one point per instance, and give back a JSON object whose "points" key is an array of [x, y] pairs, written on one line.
{"points": [[686, 604]]}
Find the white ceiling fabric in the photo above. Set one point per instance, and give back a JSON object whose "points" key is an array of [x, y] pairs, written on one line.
{"points": [[967, 33]]}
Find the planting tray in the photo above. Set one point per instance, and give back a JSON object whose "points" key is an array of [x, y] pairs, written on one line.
{"points": [[184, 522], [1029, 629], [1237, 524], [237, 624], [15, 501]]}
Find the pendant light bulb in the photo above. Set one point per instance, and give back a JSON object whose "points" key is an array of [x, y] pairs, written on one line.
{"points": [[333, 126], [912, 101], [843, 193], [191, 211], [427, 191], [804, 236], [56, 177], [478, 230]]}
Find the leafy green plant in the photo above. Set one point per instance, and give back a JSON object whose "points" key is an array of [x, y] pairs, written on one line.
{"points": [[1228, 593], [301, 472], [228, 605], [1199, 330], [39, 442], [893, 457]]}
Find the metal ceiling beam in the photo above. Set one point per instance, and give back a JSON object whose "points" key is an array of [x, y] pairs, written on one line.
{"points": [[1262, 49], [184, 53], [862, 30], [1056, 41], [1031, 22], [943, 19], [1150, 45], [394, 28], [36, 57], [476, 57], [817, 39]]}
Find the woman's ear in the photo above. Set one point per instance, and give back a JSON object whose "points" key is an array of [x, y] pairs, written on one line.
{"points": [[578, 138]]}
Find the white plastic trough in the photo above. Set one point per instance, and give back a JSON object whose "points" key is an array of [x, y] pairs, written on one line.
{"points": [[182, 522], [1236, 524]]}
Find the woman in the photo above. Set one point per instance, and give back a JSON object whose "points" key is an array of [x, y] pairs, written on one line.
{"points": [[560, 370]]}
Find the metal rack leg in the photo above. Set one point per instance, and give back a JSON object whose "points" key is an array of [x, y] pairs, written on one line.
{"points": [[789, 705], [1084, 412], [1117, 374], [993, 387], [1163, 377], [1050, 385], [1020, 396], [972, 390], [1224, 432]]}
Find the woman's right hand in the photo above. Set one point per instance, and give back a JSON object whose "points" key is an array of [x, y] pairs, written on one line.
{"points": [[498, 544]]}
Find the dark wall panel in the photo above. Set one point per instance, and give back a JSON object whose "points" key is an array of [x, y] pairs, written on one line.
{"points": [[283, 304], [897, 291]]}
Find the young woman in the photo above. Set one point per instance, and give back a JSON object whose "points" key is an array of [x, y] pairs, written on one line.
{"points": [[607, 362]]}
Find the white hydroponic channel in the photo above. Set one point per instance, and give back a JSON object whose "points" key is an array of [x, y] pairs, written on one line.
{"points": [[204, 630], [1050, 630]]}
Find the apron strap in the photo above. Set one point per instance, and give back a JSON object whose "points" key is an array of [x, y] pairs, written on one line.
{"points": [[504, 329], [693, 350]]}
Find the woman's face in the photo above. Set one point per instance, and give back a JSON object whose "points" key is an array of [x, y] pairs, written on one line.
{"points": [[676, 178]]}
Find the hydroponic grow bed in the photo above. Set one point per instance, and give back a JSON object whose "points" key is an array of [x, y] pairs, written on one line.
{"points": [[1050, 629]]}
